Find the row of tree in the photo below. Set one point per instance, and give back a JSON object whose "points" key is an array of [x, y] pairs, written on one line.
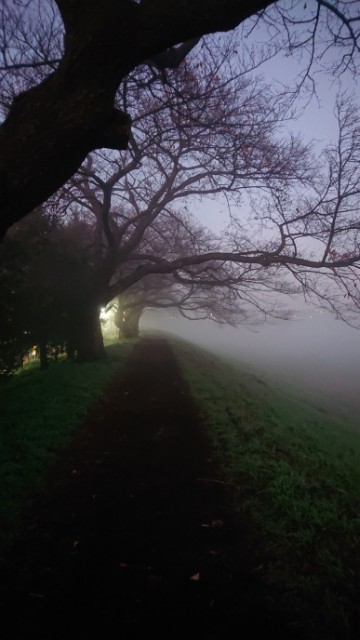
{"points": [[46, 292], [203, 126], [63, 62]]}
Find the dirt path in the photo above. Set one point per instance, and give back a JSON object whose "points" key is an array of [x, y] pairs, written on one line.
{"points": [[134, 534]]}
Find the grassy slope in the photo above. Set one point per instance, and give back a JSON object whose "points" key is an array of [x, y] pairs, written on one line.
{"points": [[296, 475], [295, 472], [38, 412]]}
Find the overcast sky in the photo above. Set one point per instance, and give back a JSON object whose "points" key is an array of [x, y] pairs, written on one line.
{"points": [[316, 122]]}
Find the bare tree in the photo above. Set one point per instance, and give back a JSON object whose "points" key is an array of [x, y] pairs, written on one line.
{"points": [[192, 301], [211, 130], [310, 236], [66, 109], [205, 135]]}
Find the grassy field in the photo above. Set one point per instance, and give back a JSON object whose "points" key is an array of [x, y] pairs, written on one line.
{"points": [[38, 412], [294, 472], [296, 478]]}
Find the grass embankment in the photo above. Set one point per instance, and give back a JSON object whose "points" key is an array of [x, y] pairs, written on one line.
{"points": [[296, 478], [38, 413]]}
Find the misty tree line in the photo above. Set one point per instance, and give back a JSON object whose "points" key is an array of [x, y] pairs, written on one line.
{"points": [[117, 223]]}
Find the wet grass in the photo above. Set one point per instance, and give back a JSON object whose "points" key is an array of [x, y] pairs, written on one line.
{"points": [[295, 472], [294, 469], [38, 413]]}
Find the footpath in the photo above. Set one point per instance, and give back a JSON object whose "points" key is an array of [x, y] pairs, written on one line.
{"points": [[134, 535]]}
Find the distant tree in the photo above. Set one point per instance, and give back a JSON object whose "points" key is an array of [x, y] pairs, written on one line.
{"points": [[192, 301], [62, 64], [209, 131], [212, 133], [22, 319], [43, 277], [13, 337], [301, 234]]}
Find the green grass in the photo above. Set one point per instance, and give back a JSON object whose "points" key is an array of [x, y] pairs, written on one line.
{"points": [[38, 413], [295, 472], [294, 469]]}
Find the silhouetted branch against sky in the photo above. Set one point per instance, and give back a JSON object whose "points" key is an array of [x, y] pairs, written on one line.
{"points": [[61, 71], [213, 129]]}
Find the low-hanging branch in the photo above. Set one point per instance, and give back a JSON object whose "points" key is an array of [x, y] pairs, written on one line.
{"points": [[61, 73]]}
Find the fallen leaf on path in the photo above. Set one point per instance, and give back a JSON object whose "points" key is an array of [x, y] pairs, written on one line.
{"points": [[195, 577], [259, 568], [216, 524]]}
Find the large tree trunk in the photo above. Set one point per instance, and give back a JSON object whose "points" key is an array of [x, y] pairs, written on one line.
{"points": [[130, 325], [88, 336], [50, 128], [127, 319]]}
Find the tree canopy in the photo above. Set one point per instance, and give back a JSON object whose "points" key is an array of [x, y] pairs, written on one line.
{"points": [[63, 62], [204, 124]]}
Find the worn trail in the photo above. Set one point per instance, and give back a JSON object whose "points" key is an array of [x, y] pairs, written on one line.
{"points": [[134, 533]]}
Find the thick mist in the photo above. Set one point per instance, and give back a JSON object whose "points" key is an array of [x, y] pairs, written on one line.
{"points": [[314, 353]]}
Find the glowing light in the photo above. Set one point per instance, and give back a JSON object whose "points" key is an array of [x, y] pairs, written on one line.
{"points": [[104, 314]]}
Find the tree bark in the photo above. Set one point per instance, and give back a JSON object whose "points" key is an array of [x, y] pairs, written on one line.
{"points": [[127, 320], [52, 127], [34, 125], [88, 337], [118, 319], [130, 325], [43, 354]]}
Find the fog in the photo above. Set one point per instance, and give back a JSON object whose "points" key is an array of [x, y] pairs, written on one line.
{"points": [[315, 354]]}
